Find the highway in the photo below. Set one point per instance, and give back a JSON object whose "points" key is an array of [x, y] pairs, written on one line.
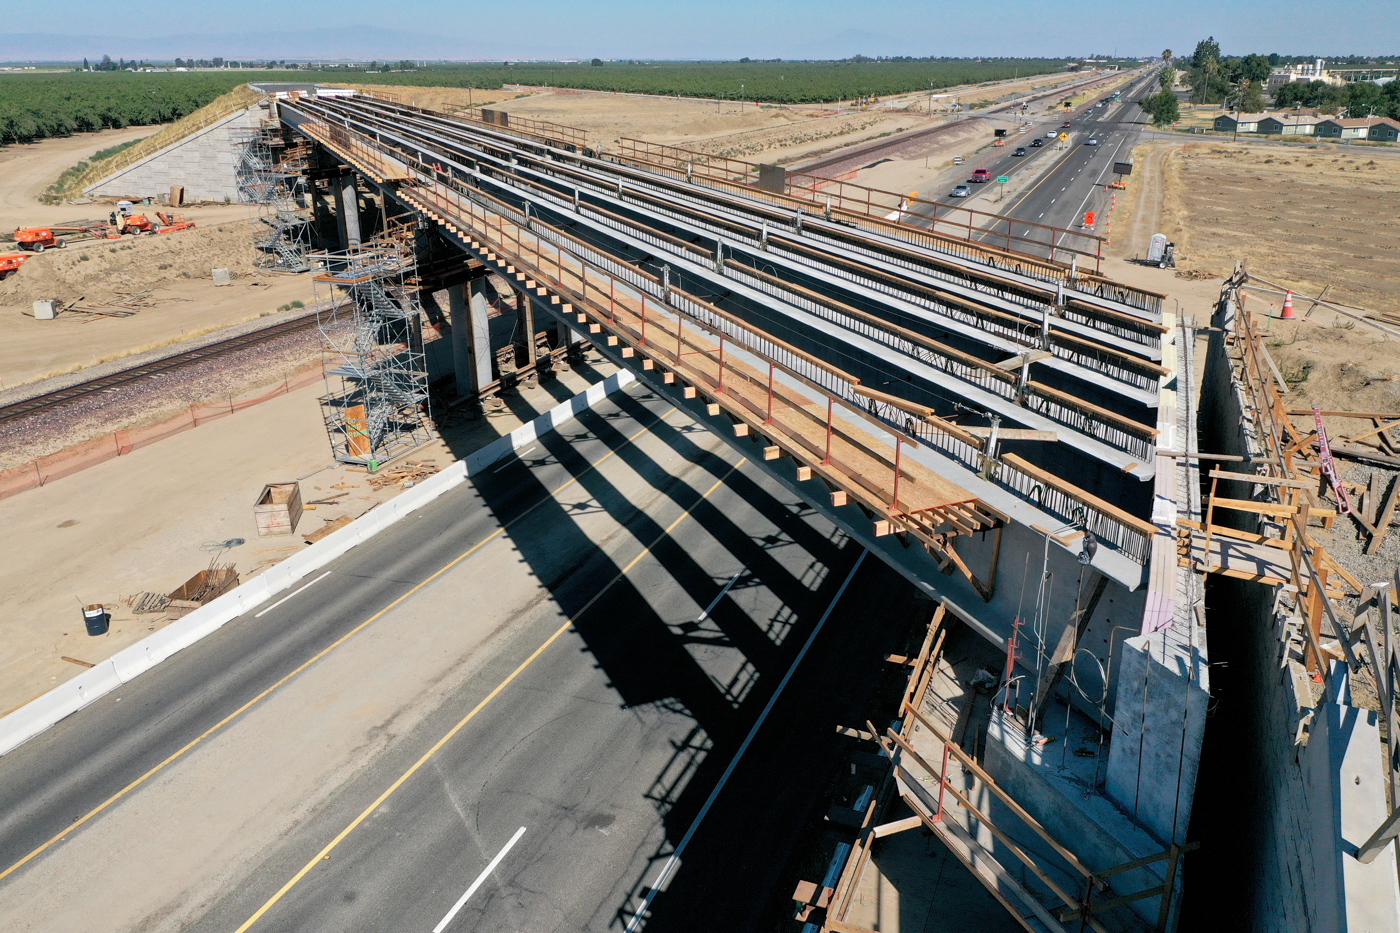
{"points": [[506, 712], [1059, 194]]}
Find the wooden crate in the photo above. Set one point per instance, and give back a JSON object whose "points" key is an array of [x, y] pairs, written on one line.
{"points": [[278, 509]]}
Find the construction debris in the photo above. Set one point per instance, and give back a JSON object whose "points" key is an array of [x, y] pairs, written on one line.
{"points": [[148, 603], [329, 528], [407, 474]]}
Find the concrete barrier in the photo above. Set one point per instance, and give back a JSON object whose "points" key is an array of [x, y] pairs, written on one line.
{"points": [[41, 713]]}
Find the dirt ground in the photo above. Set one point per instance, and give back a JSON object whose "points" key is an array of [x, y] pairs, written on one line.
{"points": [[150, 520], [27, 169], [1302, 217]]}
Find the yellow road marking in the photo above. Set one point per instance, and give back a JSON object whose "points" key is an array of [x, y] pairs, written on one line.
{"points": [[325, 853], [324, 651]]}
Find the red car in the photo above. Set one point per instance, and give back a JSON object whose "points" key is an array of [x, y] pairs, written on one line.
{"points": [[980, 175]]}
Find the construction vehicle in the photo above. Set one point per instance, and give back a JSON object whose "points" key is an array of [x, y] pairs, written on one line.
{"points": [[9, 262], [38, 239], [136, 224]]}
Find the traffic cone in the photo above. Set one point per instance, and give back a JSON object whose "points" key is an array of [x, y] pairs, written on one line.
{"points": [[1287, 314]]}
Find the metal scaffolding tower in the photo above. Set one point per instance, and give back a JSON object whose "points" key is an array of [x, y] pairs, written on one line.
{"points": [[376, 402], [271, 174]]}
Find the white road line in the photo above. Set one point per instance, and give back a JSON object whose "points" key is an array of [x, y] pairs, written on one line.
{"points": [[290, 595], [711, 606], [485, 873], [675, 858]]}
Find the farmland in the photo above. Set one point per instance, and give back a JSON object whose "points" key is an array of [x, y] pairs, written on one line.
{"points": [[49, 105], [767, 81], [42, 106]]}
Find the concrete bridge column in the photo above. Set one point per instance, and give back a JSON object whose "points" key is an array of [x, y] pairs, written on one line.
{"points": [[471, 336], [525, 327], [349, 213]]}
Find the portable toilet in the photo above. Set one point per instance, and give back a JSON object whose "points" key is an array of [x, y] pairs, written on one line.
{"points": [[1156, 247]]}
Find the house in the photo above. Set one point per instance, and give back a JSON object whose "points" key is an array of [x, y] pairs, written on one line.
{"points": [[1239, 122], [1337, 128], [1384, 130], [1289, 124]]}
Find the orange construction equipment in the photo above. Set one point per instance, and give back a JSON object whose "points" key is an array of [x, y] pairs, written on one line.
{"points": [[38, 239], [1287, 314], [9, 262], [172, 223]]}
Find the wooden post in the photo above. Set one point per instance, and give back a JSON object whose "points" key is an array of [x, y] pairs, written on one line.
{"points": [[1314, 619], [720, 387], [612, 306], [826, 461], [769, 419], [642, 341], [680, 332], [898, 446]]}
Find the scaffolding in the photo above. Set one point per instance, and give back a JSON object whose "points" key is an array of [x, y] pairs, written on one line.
{"points": [[272, 174], [376, 402]]}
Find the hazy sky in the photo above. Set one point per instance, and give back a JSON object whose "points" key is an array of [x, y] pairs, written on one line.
{"points": [[756, 28]]}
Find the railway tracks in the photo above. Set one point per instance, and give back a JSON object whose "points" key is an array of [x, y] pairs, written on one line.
{"points": [[70, 394]]}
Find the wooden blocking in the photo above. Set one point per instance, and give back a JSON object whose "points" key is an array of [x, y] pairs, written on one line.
{"points": [[628, 353], [540, 292], [689, 392], [741, 429], [510, 270], [648, 365], [612, 341], [712, 408], [582, 318], [838, 498], [772, 453], [804, 473], [882, 527], [669, 378]]}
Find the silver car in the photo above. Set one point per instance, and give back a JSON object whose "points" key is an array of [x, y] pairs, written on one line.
{"points": [[1093, 141], [960, 191]]}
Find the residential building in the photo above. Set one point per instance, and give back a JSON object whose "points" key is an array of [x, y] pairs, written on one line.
{"points": [[1239, 122]]}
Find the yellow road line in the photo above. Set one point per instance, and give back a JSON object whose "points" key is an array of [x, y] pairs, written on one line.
{"points": [[325, 651], [325, 852]]}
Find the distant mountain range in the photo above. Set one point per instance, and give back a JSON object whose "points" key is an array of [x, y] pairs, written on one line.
{"points": [[353, 43]]}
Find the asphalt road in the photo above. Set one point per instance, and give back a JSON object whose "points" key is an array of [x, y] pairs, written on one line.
{"points": [[517, 704], [1057, 194]]}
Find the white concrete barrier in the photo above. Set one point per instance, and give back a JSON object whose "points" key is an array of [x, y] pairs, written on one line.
{"points": [[41, 713]]}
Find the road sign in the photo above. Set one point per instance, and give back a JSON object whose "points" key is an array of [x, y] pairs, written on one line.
{"points": [[1003, 179], [1064, 136]]}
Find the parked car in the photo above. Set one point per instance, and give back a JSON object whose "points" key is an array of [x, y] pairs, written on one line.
{"points": [[960, 191], [1037, 143], [1020, 151]]}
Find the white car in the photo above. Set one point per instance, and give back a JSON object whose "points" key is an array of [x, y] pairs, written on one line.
{"points": [[1093, 141], [1050, 135]]}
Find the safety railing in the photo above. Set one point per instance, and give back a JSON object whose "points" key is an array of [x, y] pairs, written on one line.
{"points": [[482, 216]]}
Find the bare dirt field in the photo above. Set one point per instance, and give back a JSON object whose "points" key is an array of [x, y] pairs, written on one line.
{"points": [[1302, 217]]}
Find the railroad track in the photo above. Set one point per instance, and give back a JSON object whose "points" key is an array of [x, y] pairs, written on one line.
{"points": [[60, 397]]}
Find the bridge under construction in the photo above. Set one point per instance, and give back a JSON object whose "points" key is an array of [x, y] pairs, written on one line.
{"points": [[963, 410]]}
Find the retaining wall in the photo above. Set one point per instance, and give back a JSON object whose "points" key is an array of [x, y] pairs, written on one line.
{"points": [[203, 162]]}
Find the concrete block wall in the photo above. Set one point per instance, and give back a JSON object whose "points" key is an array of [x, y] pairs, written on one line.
{"points": [[203, 162]]}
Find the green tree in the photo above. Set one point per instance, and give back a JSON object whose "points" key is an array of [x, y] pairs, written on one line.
{"points": [[1254, 67], [596, 63], [1251, 98], [1166, 78], [1167, 55]]}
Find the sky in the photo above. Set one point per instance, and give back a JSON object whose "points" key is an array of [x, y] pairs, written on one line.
{"points": [[708, 29]]}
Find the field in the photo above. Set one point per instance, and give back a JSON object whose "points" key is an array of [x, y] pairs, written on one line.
{"points": [[41, 106], [1302, 217], [772, 82]]}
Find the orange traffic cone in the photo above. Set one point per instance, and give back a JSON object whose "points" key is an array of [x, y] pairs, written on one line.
{"points": [[1287, 314]]}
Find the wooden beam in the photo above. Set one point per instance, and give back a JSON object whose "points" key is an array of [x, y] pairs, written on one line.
{"points": [[898, 826], [1261, 480], [1081, 496], [1383, 520]]}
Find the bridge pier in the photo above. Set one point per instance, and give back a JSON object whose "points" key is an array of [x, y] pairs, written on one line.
{"points": [[349, 214], [471, 336]]}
